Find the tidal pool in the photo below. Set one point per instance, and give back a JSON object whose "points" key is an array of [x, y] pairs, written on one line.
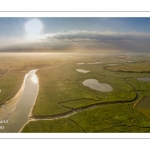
{"points": [[111, 64], [144, 106], [95, 85], [15, 112], [80, 63], [144, 79], [95, 63], [82, 70]]}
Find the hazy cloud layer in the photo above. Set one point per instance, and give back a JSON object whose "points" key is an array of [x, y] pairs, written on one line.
{"points": [[91, 41], [131, 41]]}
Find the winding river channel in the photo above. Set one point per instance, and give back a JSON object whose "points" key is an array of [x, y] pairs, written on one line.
{"points": [[15, 113]]}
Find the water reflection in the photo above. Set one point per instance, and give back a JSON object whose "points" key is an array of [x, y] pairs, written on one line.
{"points": [[82, 70], [18, 109], [79, 63], [144, 106], [111, 64], [144, 79], [94, 84], [95, 63], [34, 79]]}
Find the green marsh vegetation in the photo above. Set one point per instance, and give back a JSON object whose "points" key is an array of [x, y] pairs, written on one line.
{"points": [[61, 91], [107, 118]]}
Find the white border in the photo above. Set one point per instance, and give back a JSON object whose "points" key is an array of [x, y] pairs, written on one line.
{"points": [[74, 5], [75, 14], [75, 135]]}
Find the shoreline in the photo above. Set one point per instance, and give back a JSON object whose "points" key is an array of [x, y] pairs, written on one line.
{"points": [[30, 114], [11, 103]]}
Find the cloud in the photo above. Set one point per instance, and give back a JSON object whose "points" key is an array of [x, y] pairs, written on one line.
{"points": [[91, 41], [98, 35]]}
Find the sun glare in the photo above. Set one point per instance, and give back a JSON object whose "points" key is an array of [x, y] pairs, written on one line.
{"points": [[34, 79], [33, 28]]}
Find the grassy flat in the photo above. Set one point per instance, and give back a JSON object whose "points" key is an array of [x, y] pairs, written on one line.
{"points": [[61, 91], [108, 118]]}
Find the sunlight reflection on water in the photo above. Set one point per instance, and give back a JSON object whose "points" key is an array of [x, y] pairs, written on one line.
{"points": [[34, 79]]}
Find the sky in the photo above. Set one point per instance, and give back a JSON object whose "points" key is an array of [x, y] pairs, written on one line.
{"points": [[75, 34]]}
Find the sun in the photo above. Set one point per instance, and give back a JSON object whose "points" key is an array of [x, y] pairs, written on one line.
{"points": [[33, 28]]}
